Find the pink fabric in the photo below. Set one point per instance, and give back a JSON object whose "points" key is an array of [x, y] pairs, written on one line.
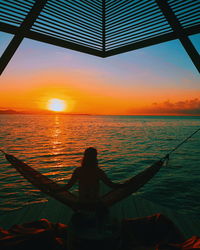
{"points": [[40, 234], [43, 234], [191, 243]]}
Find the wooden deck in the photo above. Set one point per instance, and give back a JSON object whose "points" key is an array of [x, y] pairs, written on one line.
{"points": [[134, 206]]}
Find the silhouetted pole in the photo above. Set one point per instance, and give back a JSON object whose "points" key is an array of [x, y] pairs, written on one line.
{"points": [[177, 28], [17, 39]]}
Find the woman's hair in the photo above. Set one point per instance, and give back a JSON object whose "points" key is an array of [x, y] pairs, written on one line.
{"points": [[90, 158]]}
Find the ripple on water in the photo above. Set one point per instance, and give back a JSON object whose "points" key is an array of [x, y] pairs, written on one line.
{"points": [[126, 145]]}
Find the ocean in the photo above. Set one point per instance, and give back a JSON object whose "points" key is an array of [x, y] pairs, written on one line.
{"points": [[54, 145]]}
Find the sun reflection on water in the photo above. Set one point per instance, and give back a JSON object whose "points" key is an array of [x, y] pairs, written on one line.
{"points": [[54, 144], [56, 133]]}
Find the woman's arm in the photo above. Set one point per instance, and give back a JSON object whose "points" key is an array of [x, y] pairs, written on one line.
{"points": [[71, 182], [108, 182], [139, 180]]}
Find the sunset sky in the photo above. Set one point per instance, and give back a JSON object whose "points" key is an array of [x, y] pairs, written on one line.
{"points": [[160, 79]]}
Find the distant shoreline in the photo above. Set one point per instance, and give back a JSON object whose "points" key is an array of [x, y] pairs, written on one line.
{"points": [[14, 112]]}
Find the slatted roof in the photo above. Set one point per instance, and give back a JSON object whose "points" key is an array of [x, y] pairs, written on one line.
{"points": [[100, 27]]}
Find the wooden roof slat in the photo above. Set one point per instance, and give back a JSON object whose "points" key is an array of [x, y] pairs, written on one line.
{"points": [[176, 26], [101, 27], [17, 39]]}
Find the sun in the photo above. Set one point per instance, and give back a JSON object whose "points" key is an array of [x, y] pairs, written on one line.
{"points": [[57, 105]]}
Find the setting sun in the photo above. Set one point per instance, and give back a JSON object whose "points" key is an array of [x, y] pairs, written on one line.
{"points": [[56, 105]]}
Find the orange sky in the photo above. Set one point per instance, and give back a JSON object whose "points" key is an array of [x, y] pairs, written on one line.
{"points": [[138, 82], [86, 95]]}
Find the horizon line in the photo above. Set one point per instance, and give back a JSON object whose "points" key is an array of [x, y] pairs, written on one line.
{"points": [[48, 112]]}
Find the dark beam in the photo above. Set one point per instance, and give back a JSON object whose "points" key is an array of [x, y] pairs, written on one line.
{"points": [[152, 41], [176, 26], [69, 45], [142, 44], [8, 28], [17, 39], [62, 43], [50, 40]]}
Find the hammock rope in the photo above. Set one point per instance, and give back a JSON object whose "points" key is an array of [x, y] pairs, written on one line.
{"points": [[184, 141], [166, 157]]}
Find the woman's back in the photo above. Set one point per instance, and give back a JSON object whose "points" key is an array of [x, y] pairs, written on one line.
{"points": [[89, 176], [89, 183]]}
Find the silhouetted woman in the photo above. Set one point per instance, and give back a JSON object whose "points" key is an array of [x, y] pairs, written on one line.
{"points": [[89, 176], [158, 228]]}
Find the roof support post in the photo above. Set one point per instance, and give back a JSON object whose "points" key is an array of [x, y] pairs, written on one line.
{"points": [[104, 26], [17, 39], [177, 28]]}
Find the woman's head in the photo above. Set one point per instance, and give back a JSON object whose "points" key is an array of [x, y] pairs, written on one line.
{"points": [[90, 158]]}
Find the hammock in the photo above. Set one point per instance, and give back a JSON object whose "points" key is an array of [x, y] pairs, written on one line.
{"points": [[49, 187]]}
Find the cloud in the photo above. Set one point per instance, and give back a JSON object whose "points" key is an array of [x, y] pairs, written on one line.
{"points": [[186, 107]]}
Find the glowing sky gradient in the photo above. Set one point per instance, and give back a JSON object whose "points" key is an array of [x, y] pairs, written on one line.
{"points": [[160, 79]]}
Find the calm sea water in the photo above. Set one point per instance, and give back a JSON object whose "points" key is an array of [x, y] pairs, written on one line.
{"points": [[53, 144]]}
